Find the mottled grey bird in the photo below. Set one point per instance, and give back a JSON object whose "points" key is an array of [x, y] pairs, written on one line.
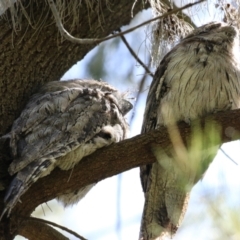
{"points": [[199, 76], [60, 125]]}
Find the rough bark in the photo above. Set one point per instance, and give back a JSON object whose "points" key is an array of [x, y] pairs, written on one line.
{"points": [[30, 229], [31, 56], [112, 160]]}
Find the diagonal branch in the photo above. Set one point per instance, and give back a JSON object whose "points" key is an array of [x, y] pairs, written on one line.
{"points": [[118, 158], [115, 159], [135, 55], [221, 149]]}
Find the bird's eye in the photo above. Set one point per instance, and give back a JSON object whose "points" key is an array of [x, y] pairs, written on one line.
{"points": [[105, 135]]}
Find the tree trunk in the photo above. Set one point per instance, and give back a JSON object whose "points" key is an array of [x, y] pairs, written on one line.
{"points": [[34, 53]]}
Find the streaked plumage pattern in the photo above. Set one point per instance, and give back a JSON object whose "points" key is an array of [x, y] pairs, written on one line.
{"points": [[197, 77], [60, 125]]}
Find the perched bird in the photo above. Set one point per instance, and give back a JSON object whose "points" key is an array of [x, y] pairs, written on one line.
{"points": [[199, 76], [62, 123]]}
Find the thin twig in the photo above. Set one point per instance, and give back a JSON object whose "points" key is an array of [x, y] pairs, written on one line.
{"points": [[43, 210], [180, 15], [133, 6], [135, 55], [140, 89], [55, 225], [185, 17], [48, 206], [69, 37], [228, 156]]}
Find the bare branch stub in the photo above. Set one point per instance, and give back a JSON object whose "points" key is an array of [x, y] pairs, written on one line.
{"points": [[39, 220], [38, 230]]}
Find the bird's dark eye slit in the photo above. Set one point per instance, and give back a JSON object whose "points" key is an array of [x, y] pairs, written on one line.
{"points": [[105, 135]]}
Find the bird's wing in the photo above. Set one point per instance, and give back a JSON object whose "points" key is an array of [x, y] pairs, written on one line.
{"points": [[198, 77], [150, 115], [165, 195], [56, 123]]}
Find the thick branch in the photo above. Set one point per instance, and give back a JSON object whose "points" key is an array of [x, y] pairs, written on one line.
{"points": [[116, 159]]}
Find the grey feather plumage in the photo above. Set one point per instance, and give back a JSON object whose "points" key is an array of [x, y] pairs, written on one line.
{"points": [[61, 124], [199, 76]]}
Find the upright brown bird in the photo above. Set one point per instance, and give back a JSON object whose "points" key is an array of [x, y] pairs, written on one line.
{"points": [[60, 125], [199, 76]]}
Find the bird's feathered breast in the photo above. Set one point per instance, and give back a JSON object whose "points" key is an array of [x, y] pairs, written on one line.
{"points": [[196, 68], [199, 76]]}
